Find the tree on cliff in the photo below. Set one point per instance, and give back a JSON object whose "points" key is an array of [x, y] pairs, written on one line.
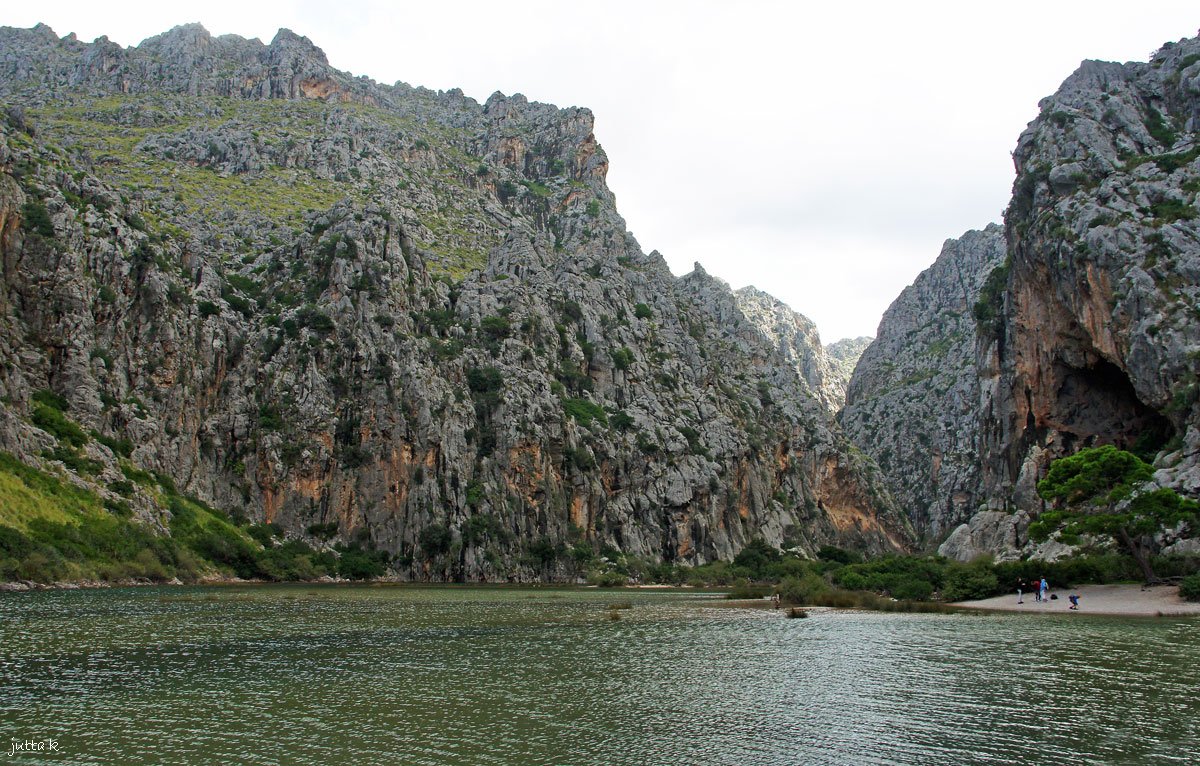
{"points": [[1102, 491]]}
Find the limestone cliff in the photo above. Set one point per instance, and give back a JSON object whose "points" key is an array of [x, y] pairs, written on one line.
{"points": [[315, 300], [796, 341], [1096, 334], [843, 356], [1090, 334], [913, 401]]}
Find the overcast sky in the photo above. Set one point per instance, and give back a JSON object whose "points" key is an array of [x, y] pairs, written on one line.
{"points": [[820, 153]]}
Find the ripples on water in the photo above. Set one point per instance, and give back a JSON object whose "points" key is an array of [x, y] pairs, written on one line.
{"points": [[406, 675]]}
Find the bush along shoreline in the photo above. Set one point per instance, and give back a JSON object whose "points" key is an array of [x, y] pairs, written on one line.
{"points": [[841, 578]]}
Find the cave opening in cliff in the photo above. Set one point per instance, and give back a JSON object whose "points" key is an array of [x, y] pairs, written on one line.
{"points": [[1099, 405]]}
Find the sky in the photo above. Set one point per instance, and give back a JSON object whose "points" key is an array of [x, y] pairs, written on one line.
{"points": [[820, 153]]}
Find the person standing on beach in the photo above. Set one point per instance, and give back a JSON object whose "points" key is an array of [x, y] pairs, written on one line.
{"points": [[1042, 588], [1037, 592], [1020, 588]]}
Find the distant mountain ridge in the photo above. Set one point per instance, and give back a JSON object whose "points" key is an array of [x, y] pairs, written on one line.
{"points": [[913, 401]]}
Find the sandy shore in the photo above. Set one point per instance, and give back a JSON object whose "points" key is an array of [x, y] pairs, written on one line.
{"points": [[1099, 599]]}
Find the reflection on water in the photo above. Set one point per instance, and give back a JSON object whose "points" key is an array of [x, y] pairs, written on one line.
{"points": [[409, 675]]}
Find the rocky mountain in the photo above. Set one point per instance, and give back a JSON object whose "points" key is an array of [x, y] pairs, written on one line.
{"points": [[385, 315], [1096, 335], [1091, 334], [913, 401], [1086, 332]]}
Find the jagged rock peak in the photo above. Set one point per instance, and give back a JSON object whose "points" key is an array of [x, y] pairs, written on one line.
{"points": [[192, 33], [286, 38], [499, 98], [189, 43], [46, 32], [849, 349], [795, 339]]}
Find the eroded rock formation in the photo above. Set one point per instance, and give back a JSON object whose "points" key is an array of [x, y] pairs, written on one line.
{"points": [[1091, 334]]}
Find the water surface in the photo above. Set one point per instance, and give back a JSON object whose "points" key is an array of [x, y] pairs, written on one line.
{"points": [[444, 675]]}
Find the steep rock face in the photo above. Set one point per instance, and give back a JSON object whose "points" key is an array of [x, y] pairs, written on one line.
{"points": [[314, 300], [751, 326], [843, 356], [796, 341], [913, 401], [1097, 334]]}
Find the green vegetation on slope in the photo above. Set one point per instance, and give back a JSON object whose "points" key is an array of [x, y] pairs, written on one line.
{"points": [[1099, 491], [275, 193], [51, 530], [842, 578], [271, 163]]}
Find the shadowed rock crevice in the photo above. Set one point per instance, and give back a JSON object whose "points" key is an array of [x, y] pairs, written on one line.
{"points": [[1098, 404]]}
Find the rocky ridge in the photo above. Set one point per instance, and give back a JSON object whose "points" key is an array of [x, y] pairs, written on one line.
{"points": [[321, 302], [796, 341], [913, 401]]}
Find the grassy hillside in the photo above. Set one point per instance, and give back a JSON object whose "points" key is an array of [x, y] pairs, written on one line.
{"points": [[52, 530]]}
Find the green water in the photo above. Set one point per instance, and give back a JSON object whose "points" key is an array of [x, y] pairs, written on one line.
{"points": [[409, 675]]}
